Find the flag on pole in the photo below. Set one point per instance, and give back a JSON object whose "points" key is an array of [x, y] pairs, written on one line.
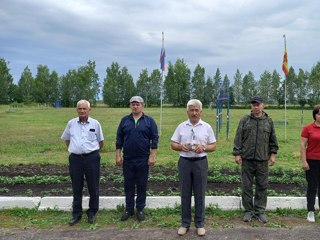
{"points": [[285, 67], [163, 68], [162, 59]]}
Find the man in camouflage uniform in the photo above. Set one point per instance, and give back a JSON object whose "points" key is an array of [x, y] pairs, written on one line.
{"points": [[255, 148]]}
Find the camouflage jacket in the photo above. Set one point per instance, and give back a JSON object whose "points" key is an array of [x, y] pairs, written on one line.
{"points": [[255, 138]]}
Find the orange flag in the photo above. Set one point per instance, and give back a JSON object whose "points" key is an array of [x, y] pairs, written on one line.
{"points": [[285, 67]]}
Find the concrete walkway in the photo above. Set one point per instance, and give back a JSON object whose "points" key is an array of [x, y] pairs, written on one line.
{"points": [[222, 202]]}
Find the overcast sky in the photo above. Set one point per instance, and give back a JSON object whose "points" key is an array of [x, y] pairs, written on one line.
{"points": [[225, 34]]}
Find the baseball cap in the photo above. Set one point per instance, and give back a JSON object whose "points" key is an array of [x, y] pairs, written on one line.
{"points": [[136, 99], [256, 99]]}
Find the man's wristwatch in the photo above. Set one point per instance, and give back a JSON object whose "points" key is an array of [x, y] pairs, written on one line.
{"points": [[204, 148]]}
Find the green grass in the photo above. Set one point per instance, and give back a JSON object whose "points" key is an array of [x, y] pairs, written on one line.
{"points": [[162, 218], [31, 135]]}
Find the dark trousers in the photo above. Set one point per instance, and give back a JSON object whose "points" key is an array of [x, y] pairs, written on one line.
{"points": [[254, 172], [193, 177], [87, 166], [135, 177], [313, 180]]}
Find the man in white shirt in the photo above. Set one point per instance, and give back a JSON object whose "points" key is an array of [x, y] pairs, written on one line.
{"points": [[84, 138], [193, 138]]}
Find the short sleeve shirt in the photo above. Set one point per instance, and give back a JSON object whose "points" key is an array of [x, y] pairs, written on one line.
{"points": [[84, 137], [186, 133], [312, 133]]}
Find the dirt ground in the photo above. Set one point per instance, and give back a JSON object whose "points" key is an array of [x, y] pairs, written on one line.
{"points": [[308, 232], [114, 188]]}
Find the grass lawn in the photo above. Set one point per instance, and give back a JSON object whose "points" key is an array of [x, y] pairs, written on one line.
{"points": [[162, 218], [31, 135]]}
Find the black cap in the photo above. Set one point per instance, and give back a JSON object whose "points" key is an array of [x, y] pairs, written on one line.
{"points": [[256, 99]]}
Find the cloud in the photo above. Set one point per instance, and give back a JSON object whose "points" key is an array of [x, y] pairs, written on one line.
{"points": [[230, 35]]}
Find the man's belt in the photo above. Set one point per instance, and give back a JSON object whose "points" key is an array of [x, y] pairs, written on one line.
{"points": [[85, 154], [194, 158]]}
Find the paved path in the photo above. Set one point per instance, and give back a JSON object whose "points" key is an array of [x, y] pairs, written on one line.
{"points": [[309, 232]]}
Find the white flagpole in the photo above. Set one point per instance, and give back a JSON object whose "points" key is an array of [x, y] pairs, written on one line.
{"points": [[285, 95], [161, 89]]}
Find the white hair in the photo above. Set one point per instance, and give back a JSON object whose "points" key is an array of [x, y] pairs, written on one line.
{"points": [[194, 103], [83, 101]]}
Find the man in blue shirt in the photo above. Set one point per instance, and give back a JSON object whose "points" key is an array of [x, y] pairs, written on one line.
{"points": [[137, 134], [84, 138]]}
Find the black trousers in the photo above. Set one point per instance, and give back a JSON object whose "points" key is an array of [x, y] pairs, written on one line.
{"points": [[135, 174], [85, 167], [313, 180]]}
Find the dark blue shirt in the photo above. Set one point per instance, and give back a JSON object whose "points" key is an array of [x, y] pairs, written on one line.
{"points": [[136, 139]]}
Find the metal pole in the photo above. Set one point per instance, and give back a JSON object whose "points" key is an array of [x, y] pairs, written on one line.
{"points": [[217, 119], [228, 117], [161, 89], [161, 100], [285, 95]]}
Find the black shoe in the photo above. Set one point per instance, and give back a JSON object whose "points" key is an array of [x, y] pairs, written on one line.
{"points": [[125, 216], [74, 220], [91, 219], [140, 216]]}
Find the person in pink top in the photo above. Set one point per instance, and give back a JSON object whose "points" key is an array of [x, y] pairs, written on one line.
{"points": [[310, 158]]}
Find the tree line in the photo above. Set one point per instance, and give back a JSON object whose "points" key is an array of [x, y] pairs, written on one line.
{"points": [[178, 87]]}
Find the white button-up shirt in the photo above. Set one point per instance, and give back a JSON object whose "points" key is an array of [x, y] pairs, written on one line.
{"points": [[84, 137], [186, 133]]}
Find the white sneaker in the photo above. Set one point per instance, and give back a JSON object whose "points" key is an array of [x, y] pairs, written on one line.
{"points": [[310, 216]]}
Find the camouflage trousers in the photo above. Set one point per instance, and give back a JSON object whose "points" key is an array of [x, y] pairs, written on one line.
{"points": [[254, 173]]}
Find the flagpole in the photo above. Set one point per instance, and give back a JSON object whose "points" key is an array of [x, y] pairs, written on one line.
{"points": [[285, 94], [161, 89]]}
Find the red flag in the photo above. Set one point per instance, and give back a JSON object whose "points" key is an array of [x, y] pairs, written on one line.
{"points": [[285, 67]]}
